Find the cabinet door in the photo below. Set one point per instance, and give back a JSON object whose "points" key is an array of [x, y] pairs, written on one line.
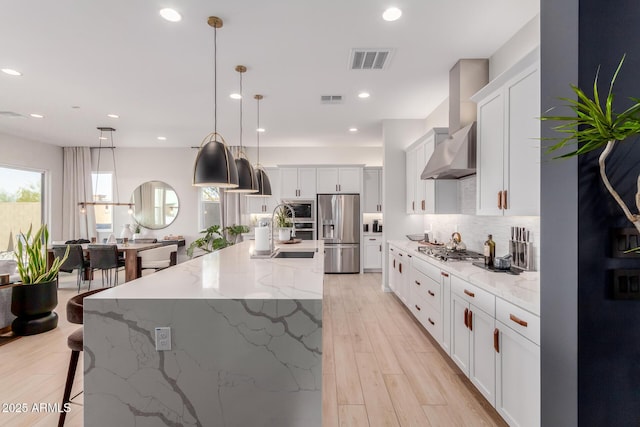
{"points": [[274, 179], [350, 180], [371, 190], [410, 163], [517, 378], [403, 272], [307, 183], [327, 180], [288, 183], [428, 185], [256, 204], [522, 153], [380, 189], [391, 271], [372, 253], [490, 153], [482, 355], [459, 333], [446, 312], [420, 185]]}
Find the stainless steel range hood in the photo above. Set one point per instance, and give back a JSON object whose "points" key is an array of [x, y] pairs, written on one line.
{"points": [[455, 157]]}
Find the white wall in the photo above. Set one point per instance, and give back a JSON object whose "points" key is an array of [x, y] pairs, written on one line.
{"points": [[273, 156], [396, 136], [27, 154], [439, 118], [523, 42]]}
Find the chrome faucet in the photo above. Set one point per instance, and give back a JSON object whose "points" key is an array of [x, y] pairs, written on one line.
{"points": [[293, 223]]}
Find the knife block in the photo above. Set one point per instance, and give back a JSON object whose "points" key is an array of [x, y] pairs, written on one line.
{"points": [[521, 255]]}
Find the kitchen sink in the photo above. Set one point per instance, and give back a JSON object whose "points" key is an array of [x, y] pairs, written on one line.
{"points": [[294, 254]]}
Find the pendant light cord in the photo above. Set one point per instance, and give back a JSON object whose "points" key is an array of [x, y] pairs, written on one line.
{"points": [[95, 193], [239, 154], [258, 132], [215, 79]]}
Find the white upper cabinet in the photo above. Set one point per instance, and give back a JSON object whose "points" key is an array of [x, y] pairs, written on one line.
{"points": [[266, 204], [508, 141], [297, 183], [428, 196], [339, 180], [372, 190]]}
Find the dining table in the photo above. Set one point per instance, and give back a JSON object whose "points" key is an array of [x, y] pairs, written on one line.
{"points": [[130, 251]]}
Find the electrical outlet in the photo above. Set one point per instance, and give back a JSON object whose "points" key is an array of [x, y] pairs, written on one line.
{"points": [[163, 338]]}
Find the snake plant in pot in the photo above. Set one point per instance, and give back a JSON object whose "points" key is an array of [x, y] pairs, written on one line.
{"points": [[593, 126], [33, 300]]}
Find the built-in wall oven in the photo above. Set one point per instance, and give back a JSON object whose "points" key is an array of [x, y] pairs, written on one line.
{"points": [[305, 219]]}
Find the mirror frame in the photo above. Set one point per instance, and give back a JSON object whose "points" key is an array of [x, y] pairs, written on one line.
{"points": [[140, 219]]}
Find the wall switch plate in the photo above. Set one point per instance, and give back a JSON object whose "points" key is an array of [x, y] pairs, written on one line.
{"points": [[163, 338]]}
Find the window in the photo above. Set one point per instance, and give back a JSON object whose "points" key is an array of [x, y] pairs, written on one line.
{"points": [[20, 203], [209, 207], [103, 192]]}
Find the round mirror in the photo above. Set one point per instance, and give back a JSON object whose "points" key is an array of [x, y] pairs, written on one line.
{"points": [[155, 205]]}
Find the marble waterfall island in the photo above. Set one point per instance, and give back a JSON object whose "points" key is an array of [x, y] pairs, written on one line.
{"points": [[246, 344]]}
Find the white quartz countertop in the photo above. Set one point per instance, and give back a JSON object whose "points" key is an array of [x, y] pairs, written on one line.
{"points": [[522, 290], [231, 273]]}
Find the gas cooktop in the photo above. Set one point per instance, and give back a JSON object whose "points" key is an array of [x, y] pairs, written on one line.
{"points": [[443, 254]]}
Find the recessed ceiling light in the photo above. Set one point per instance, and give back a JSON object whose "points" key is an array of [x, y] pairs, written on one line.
{"points": [[260, 130], [113, 116], [353, 129], [392, 14], [11, 72], [364, 95], [235, 96], [102, 137], [162, 138], [170, 15], [36, 116]]}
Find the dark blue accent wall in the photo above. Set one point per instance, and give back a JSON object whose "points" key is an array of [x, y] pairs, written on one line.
{"points": [[590, 348]]}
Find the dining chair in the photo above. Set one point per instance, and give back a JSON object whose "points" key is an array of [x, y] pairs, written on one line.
{"points": [[157, 258], [105, 258], [75, 342], [74, 261]]}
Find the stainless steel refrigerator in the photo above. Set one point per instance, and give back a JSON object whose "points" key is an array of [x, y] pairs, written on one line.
{"points": [[339, 227]]}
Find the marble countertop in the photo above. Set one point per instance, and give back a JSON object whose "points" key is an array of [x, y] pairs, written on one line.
{"points": [[231, 273], [522, 290]]}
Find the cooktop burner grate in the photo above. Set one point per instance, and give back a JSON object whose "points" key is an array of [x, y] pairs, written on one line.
{"points": [[448, 255]]}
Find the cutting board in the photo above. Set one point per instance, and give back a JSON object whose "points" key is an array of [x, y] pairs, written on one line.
{"points": [[289, 242]]}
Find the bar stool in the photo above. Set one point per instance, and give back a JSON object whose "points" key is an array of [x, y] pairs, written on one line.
{"points": [[75, 342]]}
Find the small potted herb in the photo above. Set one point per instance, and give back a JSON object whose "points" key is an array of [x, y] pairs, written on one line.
{"points": [[283, 222], [33, 300]]}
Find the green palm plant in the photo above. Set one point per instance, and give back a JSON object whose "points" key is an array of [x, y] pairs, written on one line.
{"points": [[32, 258], [593, 126], [212, 240]]}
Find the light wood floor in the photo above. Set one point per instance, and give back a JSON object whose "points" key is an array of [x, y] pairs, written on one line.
{"points": [[380, 367]]}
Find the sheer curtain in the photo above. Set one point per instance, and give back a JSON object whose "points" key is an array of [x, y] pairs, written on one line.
{"points": [[76, 184], [230, 208]]}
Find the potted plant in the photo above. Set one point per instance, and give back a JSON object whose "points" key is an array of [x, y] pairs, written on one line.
{"points": [[212, 240], [235, 232], [283, 222], [33, 301], [593, 126]]}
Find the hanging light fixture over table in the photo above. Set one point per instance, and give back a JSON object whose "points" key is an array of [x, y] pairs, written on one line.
{"points": [[264, 185], [83, 205], [247, 180], [215, 165]]}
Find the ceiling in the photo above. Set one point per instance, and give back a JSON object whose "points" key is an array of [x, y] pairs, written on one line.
{"points": [[121, 57]]}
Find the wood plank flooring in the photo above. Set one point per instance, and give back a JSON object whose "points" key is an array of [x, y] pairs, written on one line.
{"points": [[380, 368]]}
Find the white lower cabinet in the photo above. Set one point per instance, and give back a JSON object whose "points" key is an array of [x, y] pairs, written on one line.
{"points": [[372, 253], [517, 366], [495, 343]]}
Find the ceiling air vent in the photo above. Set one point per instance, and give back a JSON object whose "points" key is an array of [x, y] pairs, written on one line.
{"points": [[369, 59], [11, 115], [331, 99]]}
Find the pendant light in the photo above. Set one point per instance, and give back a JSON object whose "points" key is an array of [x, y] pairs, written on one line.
{"points": [[83, 205], [215, 165], [246, 175], [264, 185]]}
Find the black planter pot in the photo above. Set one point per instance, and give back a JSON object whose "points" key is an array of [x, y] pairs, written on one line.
{"points": [[33, 305]]}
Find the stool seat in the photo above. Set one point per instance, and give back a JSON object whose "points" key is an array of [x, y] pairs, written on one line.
{"points": [[75, 340]]}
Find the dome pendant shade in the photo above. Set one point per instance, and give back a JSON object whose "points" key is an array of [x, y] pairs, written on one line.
{"points": [[247, 179], [264, 185], [215, 166]]}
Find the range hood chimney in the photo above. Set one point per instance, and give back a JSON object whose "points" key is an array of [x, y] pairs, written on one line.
{"points": [[455, 157]]}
